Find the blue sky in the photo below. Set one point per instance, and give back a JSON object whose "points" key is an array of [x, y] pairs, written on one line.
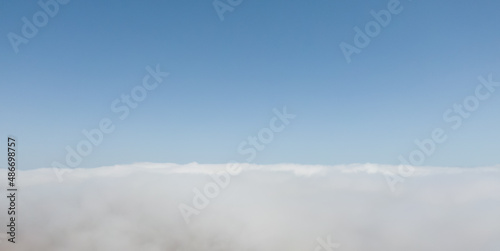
{"points": [[227, 76]]}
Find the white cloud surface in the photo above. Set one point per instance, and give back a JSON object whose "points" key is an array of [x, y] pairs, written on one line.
{"points": [[271, 207]]}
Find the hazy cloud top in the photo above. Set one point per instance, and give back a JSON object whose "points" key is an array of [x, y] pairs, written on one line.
{"points": [[270, 207]]}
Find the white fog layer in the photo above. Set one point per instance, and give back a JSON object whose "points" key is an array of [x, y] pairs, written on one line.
{"points": [[163, 207]]}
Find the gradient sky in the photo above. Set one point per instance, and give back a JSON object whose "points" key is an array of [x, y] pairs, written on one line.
{"points": [[227, 76]]}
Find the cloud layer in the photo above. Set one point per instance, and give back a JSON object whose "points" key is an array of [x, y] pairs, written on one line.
{"points": [[272, 207]]}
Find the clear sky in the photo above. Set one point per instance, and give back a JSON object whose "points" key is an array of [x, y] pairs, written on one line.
{"points": [[227, 76]]}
